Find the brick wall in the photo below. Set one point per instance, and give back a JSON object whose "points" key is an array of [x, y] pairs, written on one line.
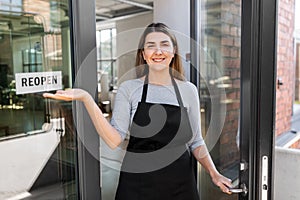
{"points": [[230, 61], [297, 81], [223, 36], [230, 46], [296, 145], [285, 66]]}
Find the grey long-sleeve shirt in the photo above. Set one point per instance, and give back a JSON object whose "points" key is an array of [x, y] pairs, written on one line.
{"points": [[129, 95]]}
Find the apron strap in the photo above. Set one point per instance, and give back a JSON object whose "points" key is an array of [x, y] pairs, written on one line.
{"points": [[145, 89], [179, 99]]}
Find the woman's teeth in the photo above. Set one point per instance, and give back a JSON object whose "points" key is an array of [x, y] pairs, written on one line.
{"points": [[158, 59]]}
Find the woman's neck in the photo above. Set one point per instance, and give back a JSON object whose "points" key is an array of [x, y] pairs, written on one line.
{"points": [[160, 77]]}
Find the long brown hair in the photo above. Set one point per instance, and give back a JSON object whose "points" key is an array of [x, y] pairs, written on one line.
{"points": [[140, 63]]}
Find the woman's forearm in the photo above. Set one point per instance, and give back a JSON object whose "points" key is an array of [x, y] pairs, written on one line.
{"points": [[107, 132], [208, 165], [203, 157]]}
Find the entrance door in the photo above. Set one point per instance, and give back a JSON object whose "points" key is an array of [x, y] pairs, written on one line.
{"points": [[219, 82], [38, 150], [233, 65]]}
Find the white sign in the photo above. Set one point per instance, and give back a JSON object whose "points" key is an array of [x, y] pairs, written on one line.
{"points": [[38, 82]]}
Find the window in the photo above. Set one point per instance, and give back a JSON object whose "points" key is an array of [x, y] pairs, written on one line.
{"points": [[32, 60], [11, 5], [106, 55]]}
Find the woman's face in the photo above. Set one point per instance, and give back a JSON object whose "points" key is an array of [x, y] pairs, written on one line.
{"points": [[158, 50]]}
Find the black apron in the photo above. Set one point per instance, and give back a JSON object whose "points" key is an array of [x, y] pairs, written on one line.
{"points": [[157, 164]]}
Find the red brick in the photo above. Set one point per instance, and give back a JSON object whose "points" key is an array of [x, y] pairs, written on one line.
{"points": [[285, 56]]}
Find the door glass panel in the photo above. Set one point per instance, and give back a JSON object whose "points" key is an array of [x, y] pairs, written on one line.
{"points": [[107, 79], [117, 32], [220, 91], [37, 144]]}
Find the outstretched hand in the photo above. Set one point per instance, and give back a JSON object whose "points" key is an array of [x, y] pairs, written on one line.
{"points": [[68, 95]]}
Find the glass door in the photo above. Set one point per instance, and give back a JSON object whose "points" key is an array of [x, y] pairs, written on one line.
{"points": [[37, 145], [219, 89], [235, 49]]}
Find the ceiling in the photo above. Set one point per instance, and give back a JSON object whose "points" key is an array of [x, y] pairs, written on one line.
{"points": [[106, 10], [113, 9]]}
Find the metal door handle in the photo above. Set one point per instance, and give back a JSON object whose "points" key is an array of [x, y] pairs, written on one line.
{"points": [[242, 190]]}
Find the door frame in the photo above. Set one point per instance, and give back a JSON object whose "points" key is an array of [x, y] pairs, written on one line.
{"points": [[258, 94], [258, 87], [84, 66]]}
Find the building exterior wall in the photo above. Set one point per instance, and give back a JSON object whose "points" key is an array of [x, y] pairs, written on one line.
{"points": [[297, 77], [296, 145], [285, 66]]}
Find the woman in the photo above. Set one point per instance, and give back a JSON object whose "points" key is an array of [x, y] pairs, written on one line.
{"points": [[161, 112]]}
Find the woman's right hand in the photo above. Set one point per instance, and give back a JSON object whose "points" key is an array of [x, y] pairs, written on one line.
{"points": [[68, 95]]}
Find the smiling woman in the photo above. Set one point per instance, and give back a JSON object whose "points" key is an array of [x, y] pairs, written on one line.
{"points": [[159, 97], [159, 43], [158, 51]]}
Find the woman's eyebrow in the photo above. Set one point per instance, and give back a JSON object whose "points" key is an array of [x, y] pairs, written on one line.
{"points": [[165, 41], [149, 44]]}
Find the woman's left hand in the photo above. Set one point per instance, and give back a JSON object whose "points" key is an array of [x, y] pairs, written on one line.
{"points": [[69, 95], [222, 182], [202, 155]]}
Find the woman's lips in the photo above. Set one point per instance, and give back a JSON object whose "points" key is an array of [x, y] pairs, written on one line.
{"points": [[158, 59]]}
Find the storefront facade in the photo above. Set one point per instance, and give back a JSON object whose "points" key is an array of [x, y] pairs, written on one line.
{"points": [[228, 50]]}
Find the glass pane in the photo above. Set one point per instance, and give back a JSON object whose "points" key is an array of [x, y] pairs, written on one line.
{"points": [[11, 5], [16, 9], [106, 67], [106, 44], [114, 74], [17, 2], [4, 7], [37, 143], [107, 77], [98, 35], [114, 45], [220, 91]]}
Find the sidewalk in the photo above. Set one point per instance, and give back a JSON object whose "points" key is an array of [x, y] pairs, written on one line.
{"points": [[296, 118], [290, 137]]}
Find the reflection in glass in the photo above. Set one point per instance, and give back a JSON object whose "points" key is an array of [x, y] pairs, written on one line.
{"points": [[220, 90], [35, 40], [106, 58]]}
